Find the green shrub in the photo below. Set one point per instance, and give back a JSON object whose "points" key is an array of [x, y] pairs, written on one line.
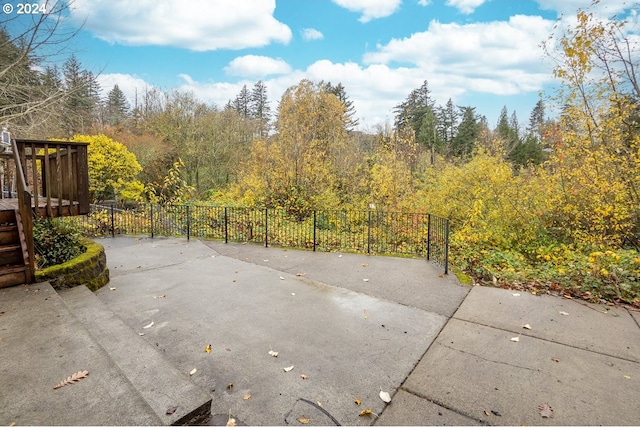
{"points": [[55, 242]]}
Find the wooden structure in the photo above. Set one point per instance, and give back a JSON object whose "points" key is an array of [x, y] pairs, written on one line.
{"points": [[45, 179]]}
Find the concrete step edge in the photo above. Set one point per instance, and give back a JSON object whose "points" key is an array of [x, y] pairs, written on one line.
{"points": [[160, 384]]}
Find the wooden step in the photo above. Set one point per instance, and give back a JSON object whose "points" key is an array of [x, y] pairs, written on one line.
{"points": [[11, 254], [9, 234], [7, 217], [13, 275]]}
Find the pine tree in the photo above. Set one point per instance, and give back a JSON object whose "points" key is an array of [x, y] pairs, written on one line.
{"points": [[116, 107], [82, 98], [410, 112], [242, 103], [467, 132], [350, 121], [259, 108]]}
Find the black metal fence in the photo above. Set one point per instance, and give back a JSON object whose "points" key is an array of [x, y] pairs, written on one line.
{"points": [[369, 232]]}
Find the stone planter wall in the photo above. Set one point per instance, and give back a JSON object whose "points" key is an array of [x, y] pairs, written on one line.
{"points": [[88, 269]]}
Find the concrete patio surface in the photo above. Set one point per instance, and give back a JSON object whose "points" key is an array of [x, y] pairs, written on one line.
{"points": [[349, 325]]}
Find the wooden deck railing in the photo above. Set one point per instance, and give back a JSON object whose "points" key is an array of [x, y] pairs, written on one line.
{"points": [[56, 175], [25, 218]]}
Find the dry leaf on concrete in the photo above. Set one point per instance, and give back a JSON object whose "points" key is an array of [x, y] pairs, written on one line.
{"points": [[148, 326], [385, 396], [72, 379], [515, 339], [273, 353], [246, 397], [193, 371], [527, 326], [288, 369], [304, 420], [564, 313], [357, 401], [545, 410], [208, 348], [171, 410]]}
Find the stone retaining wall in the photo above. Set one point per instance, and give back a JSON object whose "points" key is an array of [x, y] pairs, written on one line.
{"points": [[90, 269]]}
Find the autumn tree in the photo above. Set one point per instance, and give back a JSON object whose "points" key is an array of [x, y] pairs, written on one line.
{"points": [[597, 157], [113, 170]]}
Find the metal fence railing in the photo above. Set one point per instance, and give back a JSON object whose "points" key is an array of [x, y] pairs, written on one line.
{"points": [[369, 231]]}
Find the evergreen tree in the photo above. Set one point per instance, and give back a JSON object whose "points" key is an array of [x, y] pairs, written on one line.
{"points": [[350, 121], [447, 123], [260, 109], [536, 120], [410, 112], [82, 98], [507, 130], [116, 107], [467, 132], [242, 103]]}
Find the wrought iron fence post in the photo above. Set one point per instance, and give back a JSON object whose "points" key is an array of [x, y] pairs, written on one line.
{"points": [[266, 227], [188, 224], [151, 216], [369, 234], [314, 230], [446, 247], [226, 226], [428, 237], [113, 228]]}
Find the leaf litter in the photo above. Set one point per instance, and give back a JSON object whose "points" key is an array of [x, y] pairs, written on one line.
{"points": [[545, 410], [80, 375]]}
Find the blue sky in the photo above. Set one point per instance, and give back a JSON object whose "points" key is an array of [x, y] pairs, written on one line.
{"points": [[482, 53]]}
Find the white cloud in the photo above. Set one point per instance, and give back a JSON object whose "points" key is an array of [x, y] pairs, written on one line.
{"points": [[424, 2], [497, 57], [199, 25], [312, 34], [256, 66], [465, 6], [132, 86], [370, 9]]}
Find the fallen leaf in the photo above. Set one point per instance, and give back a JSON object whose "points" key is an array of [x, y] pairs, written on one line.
{"points": [[384, 396], [72, 379], [319, 403], [293, 294], [141, 334], [527, 326], [496, 413], [208, 348], [281, 278], [288, 369], [339, 256], [246, 397], [304, 420], [364, 265], [515, 339], [229, 386], [567, 296], [545, 410], [487, 413], [365, 412], [627, 377], [564, 313], [358, 401], [273, 353], [534, 293], [171, 410], [265, 260], [366, 314], [516, 295], [231, 422], [112, 289], [555, 360], [160, 296], [300, 274], [365, 280], [148, 326], [193, 371], [303, 376]]}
